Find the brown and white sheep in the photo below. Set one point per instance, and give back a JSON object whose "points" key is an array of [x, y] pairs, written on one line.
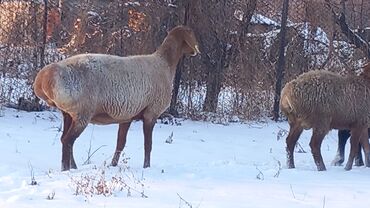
{"points": [[324, 100], [107, 89]]}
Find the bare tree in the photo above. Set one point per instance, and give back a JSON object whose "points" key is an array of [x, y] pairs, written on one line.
{"points": [[219, 23], [281, 60]]}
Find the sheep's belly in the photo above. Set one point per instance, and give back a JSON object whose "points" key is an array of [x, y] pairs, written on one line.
{"points": [[104, 119]]}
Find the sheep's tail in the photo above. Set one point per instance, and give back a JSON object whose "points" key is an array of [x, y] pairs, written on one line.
{"points": [[44, 84]]}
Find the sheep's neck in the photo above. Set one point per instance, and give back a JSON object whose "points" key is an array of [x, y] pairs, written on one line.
{"points": [[171, 51]]}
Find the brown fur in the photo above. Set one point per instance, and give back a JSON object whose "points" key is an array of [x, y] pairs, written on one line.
{"points": [[105, 89], [323, 100], [44, 85]]}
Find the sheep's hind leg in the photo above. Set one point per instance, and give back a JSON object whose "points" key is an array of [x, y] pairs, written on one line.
{"points": [[364, 143], [294, 132], [343, 136], [356, 135], [121, 141], [358, 159], [68, 140], [315, 144], [148, 125]]}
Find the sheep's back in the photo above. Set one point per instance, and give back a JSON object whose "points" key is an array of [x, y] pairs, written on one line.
{"points": [[120, 87], [319, 95]]}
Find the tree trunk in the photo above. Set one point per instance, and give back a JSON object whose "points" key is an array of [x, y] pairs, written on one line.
{"points": [[176, 84], [175, 92], [226, 48], [214, 84], [215, 78], [252, 4], [280, 66], [44, 34]]}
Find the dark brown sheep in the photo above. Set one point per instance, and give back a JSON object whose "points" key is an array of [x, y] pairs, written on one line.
{"points": [[107, 89], [324, 100]]}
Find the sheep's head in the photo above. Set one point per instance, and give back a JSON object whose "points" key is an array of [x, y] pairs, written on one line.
{"points": [[189, 44]]}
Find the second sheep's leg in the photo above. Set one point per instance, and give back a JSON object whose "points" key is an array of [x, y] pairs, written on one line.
{"points": [[121, 141], [315, 144], [148, 125], [294, 132], [364, 141], [343, 136], [358, 159], [356, 135]]}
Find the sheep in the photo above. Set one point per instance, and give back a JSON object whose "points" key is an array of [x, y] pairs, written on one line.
{"points": [[343, 136], [324, 100], [107, 89]]}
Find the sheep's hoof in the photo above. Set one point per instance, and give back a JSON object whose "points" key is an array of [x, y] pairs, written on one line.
{"points": [[337, 161], [321, 168], [114, 163], [348, 167], [146, 165], [65, 167], [359, 162], [73, 165], [291, 166]]}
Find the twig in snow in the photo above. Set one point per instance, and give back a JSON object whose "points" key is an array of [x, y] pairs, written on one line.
{"points": [[33, 180], [183, 200], [260, 175], [169, 140], [277, 174], [51, 196], [281, 133], [324, 202], [300, 148], [89, 155], [291, 188]]}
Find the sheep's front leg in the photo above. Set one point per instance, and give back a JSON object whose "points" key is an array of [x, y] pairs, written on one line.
{"points": [[148, 125], [294, 132], [315, 144], [68, 140], [121, 141], [356, 135]]}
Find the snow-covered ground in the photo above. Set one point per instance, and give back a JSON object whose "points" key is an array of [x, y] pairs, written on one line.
{"points": [[206, 165]]}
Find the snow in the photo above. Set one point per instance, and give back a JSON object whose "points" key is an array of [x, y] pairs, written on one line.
{"points": [[14, 87], [261, 19], [207, 165]]}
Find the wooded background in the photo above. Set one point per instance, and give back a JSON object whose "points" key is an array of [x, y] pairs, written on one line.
{"points": [[250, 49]]}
